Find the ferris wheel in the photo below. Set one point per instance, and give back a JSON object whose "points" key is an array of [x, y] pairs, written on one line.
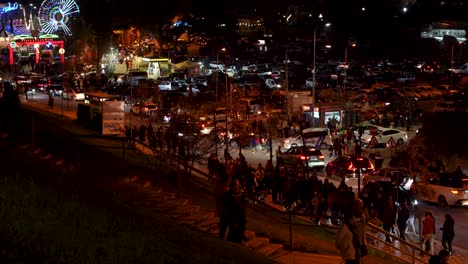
{"points": [[56, 15]]}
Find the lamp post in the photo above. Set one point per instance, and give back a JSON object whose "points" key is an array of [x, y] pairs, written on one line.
{"points": [[226, 137], [451, 72], [217, 72], [312, 108], [288, 112], [131, 106]]}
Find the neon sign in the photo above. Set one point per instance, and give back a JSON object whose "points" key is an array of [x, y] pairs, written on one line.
{"points": [[9, 8]]}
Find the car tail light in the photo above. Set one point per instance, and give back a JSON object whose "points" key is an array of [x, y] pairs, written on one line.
{"points": [[351, 167], [321, 157], [454, 192], [371, 166], [304, 158]]}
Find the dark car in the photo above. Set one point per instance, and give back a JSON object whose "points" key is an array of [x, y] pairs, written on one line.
{"points": [[348, 166], [55, 86], [376, 192], [308, 157], [394, 175]]}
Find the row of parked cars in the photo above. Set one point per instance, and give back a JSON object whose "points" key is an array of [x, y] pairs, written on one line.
{"points": [[53, 85]]}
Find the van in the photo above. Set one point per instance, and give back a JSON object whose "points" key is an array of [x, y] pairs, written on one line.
{"points": [[46, 56]]}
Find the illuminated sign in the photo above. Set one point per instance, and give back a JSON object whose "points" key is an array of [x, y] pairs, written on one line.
{"points": [[35, 40], [9, 8]]}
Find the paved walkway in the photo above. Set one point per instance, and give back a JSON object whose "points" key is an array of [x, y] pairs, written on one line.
{"points": [[459, 257]]}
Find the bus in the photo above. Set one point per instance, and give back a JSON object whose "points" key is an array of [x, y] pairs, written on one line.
{"points": [[89, 112]]}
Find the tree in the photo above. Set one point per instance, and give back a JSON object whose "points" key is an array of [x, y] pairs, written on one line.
{"points": [[110, 59], [84, 37]]}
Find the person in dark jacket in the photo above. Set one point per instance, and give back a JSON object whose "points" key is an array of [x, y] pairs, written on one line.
{"points": [[235, 209], [448, 232], [388, 217], [221, 210], [403, 216]]}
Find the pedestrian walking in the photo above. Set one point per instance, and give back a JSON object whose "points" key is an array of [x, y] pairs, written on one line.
{"points": [[448, 233], [221, 210], [388, 217], [345, 242], [402, 220], [428, 232], [213, 166], [359, 223], [51, 101], [235, 205]]}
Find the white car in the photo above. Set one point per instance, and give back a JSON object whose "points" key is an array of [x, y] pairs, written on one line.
{"points": [[406, 77], [318, 137], [447, 189], [165, 86], [386, 136], [73, 94]]}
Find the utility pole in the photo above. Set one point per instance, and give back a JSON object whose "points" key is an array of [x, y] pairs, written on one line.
{"points": [[226, 141], [287, 87], [312, 110], [451, 71]]}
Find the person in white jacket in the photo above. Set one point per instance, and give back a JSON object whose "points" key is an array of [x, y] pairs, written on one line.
{"points": [[344, 243]]}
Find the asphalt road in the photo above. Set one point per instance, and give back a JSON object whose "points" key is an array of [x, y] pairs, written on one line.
{"points": [[256, 157]]}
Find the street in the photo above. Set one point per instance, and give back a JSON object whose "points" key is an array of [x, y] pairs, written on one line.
{"points": [[68, 108]]}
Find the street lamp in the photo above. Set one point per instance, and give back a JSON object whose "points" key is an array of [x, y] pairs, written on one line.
{"points": [[312, 108], [217, 72], [226, 137]]}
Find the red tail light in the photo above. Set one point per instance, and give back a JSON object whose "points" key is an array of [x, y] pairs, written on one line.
{"points": [[321, 157], [304, 158], [371, 167], [351, 167]]}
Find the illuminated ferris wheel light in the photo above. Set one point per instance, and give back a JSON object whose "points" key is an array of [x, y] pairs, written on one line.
{"points": [[56, 15]]}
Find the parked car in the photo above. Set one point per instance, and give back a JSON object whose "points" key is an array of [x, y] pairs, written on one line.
{"points": [[21, 79], [147, 108], [347, 166], [55, 86], [445, 106], [133, 77], [406, 77], [317, 137], [444, 189], [308, 157], [39, 82], [384, 136], [423, 92]]}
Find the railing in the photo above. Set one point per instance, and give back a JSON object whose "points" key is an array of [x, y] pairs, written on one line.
{"points": [[401, 249]]}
